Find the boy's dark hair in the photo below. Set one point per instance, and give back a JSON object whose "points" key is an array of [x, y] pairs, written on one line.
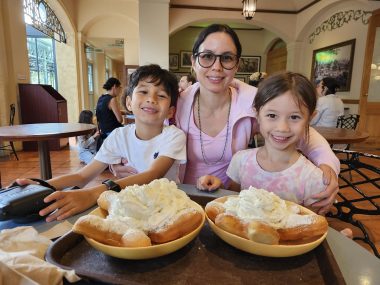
{"points": [[277, 84], [110, 83], [214, 28], [156, 75], [85, 117]]}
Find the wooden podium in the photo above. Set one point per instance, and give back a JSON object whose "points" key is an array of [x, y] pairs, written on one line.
{"points": [[42, 104]]}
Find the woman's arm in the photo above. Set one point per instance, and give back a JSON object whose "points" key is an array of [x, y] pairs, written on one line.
{"points": [[319, 152], [115, 109]]}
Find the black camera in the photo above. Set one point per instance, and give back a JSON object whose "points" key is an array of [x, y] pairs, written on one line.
{"points": [[22, 203]]}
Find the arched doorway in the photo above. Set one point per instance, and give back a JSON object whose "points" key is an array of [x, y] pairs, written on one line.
{"points": [[277, 57]]}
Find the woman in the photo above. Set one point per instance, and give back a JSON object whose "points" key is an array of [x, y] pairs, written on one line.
{"points": [[329, 105], [107, 109], [219, 121]]}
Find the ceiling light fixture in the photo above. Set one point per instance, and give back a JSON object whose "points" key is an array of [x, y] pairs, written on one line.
{"points": [[249, 8]]}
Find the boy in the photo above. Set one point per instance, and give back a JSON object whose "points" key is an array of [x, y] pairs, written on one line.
{"points": [[153, 150]]}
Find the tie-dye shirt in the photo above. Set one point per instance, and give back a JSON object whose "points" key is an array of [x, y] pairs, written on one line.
{"points": [[297, 183]]}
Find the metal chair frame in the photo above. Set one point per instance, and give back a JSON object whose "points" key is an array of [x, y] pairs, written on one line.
{"points": [[10, 147], [347, 208], [348, 122]]}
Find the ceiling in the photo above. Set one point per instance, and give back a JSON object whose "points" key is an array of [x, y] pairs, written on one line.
{"points": [[114, 48], [272, 5]]}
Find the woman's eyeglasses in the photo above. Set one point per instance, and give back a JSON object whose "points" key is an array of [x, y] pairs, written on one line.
{"points": [[227, 60]]}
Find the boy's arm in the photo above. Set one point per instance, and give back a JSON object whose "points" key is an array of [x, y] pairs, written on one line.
{"points": [[68, 203], [234, 186]]}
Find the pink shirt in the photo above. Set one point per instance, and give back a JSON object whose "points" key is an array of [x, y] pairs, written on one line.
{"points": [[241, 119], [297, 183]]}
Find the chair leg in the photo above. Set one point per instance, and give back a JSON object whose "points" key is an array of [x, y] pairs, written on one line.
{"points": [[13, 149]]}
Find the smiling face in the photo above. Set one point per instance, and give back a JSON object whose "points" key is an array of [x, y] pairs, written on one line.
{"points": [[150, 103], [283, 122], [215, 78]]}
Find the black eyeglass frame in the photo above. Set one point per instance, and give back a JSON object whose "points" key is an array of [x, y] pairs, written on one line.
{"points": [[216, 56]]}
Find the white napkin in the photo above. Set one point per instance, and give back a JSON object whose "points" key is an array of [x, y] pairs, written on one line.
{"points": [[22, 252]]}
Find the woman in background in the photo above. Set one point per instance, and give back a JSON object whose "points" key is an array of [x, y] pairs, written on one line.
{"points": [[329, 105], [87, 143], [108, 112]]}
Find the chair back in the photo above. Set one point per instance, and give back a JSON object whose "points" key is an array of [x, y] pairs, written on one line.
{"points": [[348, 122], [12, 114]]}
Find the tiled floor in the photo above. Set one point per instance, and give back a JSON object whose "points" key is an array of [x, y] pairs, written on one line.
{"points": [[66, 161]]}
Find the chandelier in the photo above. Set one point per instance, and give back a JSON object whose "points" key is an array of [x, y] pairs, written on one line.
{"points": [[249, 8]]}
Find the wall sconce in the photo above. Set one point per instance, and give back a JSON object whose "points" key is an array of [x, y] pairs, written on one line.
{"points": [[249, 8]]}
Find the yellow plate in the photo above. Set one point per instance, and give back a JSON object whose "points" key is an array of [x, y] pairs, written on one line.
{"points": [[265, 249], [145, 252]]}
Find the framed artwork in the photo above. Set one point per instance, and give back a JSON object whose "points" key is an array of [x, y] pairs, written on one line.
{"points": [[249, 64], [185, 59], [173, 61], [334, 61], [241, 77]]}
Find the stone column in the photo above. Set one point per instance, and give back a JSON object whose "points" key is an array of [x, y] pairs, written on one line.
{"points": [[154, 32], [295, 55]]}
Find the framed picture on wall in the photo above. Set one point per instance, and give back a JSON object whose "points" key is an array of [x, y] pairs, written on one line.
{"points": [[185, 59], [173, 61], [249, 64], [334, 61]]}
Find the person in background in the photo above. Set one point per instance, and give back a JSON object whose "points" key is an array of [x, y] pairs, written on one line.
{"points": [[256, 78], [329, 105], [108, 113], [87, 143], [186, 81], [219, 121], [149, 147]]}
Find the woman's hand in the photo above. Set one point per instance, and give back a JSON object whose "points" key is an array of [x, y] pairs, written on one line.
{"points": [[68, 203], [209, 183], [326, 198]]}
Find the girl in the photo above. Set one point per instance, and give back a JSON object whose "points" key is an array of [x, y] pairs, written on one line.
{"points": [[87, 143], [285, 104]]}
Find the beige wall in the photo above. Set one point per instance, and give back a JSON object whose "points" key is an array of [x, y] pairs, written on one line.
{"points": [[351, 30], [14, 67]]}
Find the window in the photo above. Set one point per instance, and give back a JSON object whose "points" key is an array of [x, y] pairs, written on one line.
{"points": [[42, 63], [42, 27], [90, 74], [108, 67]]}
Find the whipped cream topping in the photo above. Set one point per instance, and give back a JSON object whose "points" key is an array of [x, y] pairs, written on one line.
{"points": [[261, 205], [151, 206]]}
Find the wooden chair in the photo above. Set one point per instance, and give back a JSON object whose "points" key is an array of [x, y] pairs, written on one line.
{"points": [[10, 147], [357, 196]]}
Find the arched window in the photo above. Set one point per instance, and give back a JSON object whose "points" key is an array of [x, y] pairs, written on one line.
{"points": [[38, 14], [42, 28]]}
